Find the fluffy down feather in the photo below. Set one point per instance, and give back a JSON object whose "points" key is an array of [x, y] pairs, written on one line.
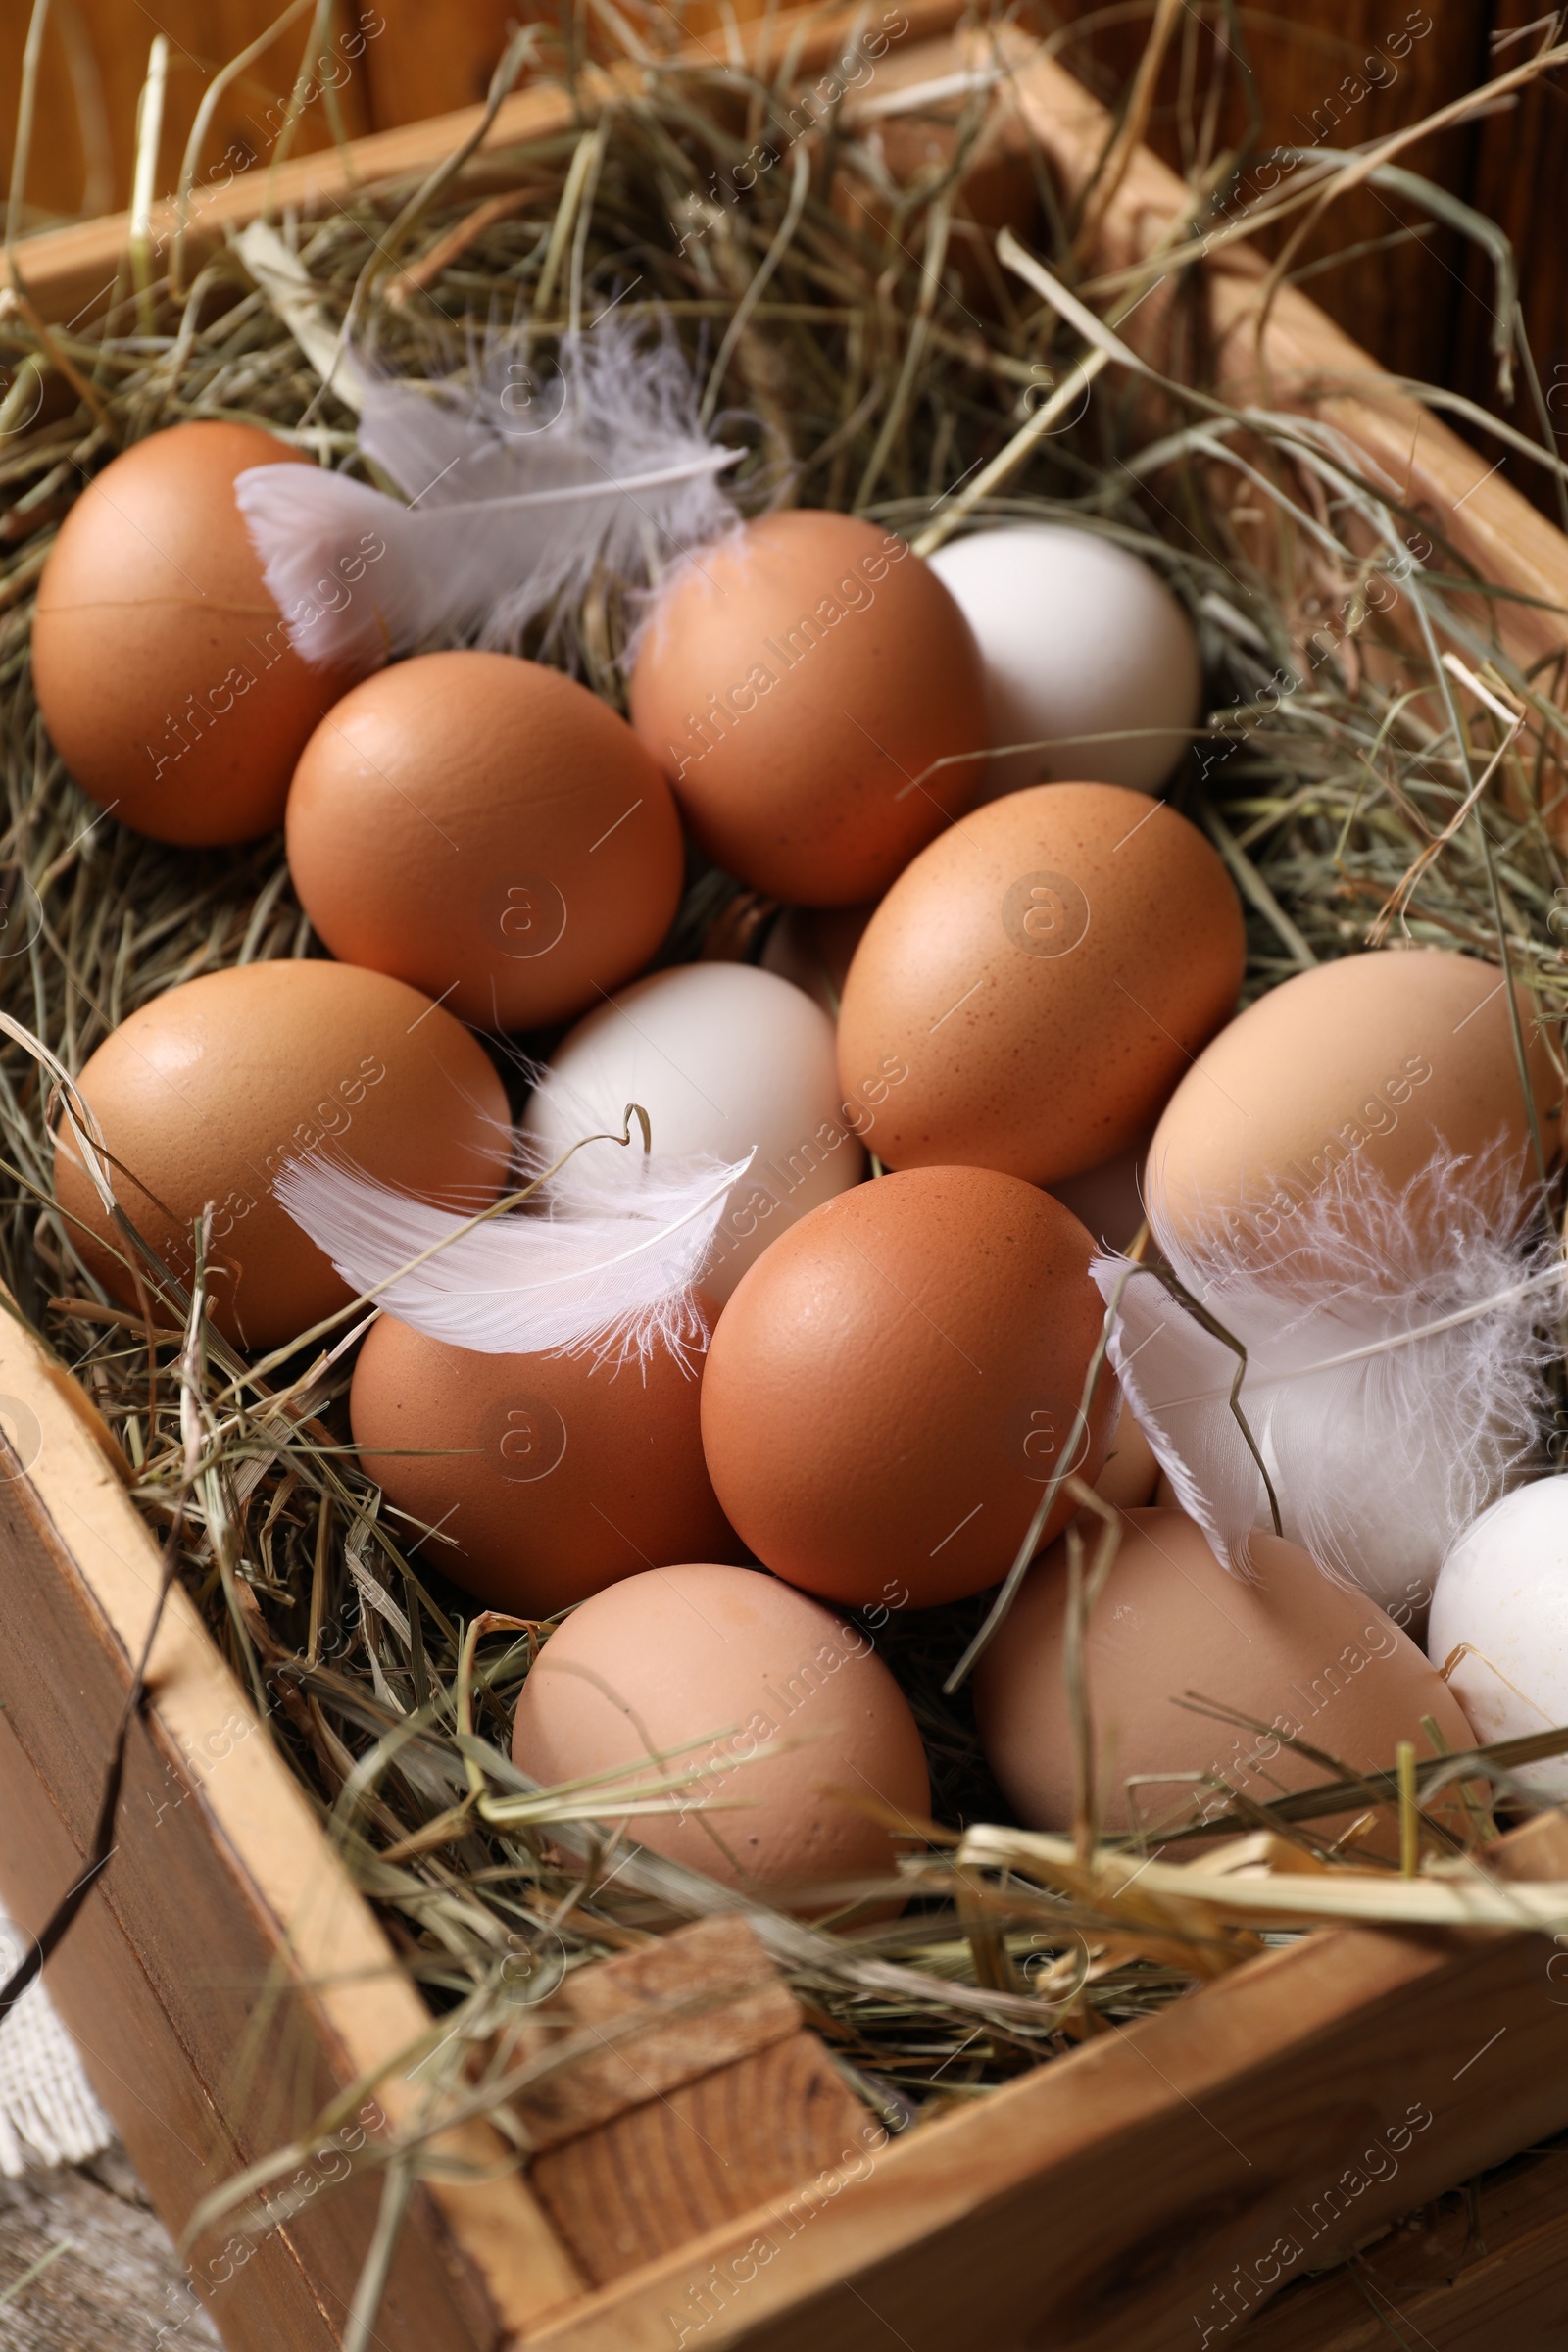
{"points": [[521, 485], [1391, 1402]]}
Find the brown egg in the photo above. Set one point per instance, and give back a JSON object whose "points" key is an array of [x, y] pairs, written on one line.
{"points": [[1292, 1649], [1044, 973], [205, 1093], [488, 830], [553, 1475], [800, 686], [162, 665], [781, 1705], [1372, 1062], [891, 1386]]}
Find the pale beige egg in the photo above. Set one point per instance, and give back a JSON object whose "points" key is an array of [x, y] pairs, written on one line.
{"points": [[780, 1714], [1288, 1648], [1366, 1066]]}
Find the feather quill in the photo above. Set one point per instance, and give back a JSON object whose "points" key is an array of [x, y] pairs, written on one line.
{"points": [[520, 488], [606, 1266], [1390, 1400]]}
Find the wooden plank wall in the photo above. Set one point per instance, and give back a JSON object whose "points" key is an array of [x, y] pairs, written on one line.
{"points": [[1338, 72]]}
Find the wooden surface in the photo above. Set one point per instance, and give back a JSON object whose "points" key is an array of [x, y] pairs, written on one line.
{"points": [[1303, 361], [704, 2097], [674, 2009], [1483, 2271], [224, 1979], [1345, 71], [94, 62], [1340, 73], [105, 2277], [72, 271], [1099, 2203], [672, 2168]]}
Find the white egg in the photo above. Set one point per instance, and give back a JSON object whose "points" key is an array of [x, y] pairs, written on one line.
{"points": [[722, 1057], [1503, 1589], [1080, 640]]}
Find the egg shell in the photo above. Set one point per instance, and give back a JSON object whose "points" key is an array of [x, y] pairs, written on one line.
{"points": [[1043, 974], [162, 664], [206, 1092], [1087, 654], [786, 1706], [799, 685], [553, 1475], [722, 1057], [1288, 1648], [1373, 1062], [812, 947], [889, 1389], [1504, 1591], [489, 831]]}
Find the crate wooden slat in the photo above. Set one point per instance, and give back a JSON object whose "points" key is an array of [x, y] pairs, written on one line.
{"points": [[1467, 2282], [1099, 2203], [1304, 361], [224, 1904]]}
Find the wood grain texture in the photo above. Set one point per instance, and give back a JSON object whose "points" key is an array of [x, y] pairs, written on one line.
{"points": [[1298, 358], [1519, 178], [224, 1979], [112, 2276], [72, 271], [436, 56], [1336, 74], [1097, 2204], [1479, 2270], [93, 66], [674, 2168], [1331, 74], [677, 2009]]}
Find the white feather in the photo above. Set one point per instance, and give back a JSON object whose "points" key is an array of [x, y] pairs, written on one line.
{"points": [[608, 1267], [1391, 1400], [522, 486]]}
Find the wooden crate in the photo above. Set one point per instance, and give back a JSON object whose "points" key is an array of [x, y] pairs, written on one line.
{"points": [[1150, 2190]]}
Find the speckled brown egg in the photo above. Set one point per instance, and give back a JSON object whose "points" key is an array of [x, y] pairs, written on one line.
{"points": [[547, 1476], [488, 830], [162, 665], [815, 698], [1372, 1064], [206, 1092], [893, 1382], [782, 1709], [1044, 974], [1290, 1649]]}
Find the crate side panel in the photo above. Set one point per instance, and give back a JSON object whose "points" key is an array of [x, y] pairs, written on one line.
{"points": [[1100, 2204], [144, 2078], [200, 2041]]}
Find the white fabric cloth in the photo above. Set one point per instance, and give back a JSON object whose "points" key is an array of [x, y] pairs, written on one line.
{"points": [[48, 2114]]}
